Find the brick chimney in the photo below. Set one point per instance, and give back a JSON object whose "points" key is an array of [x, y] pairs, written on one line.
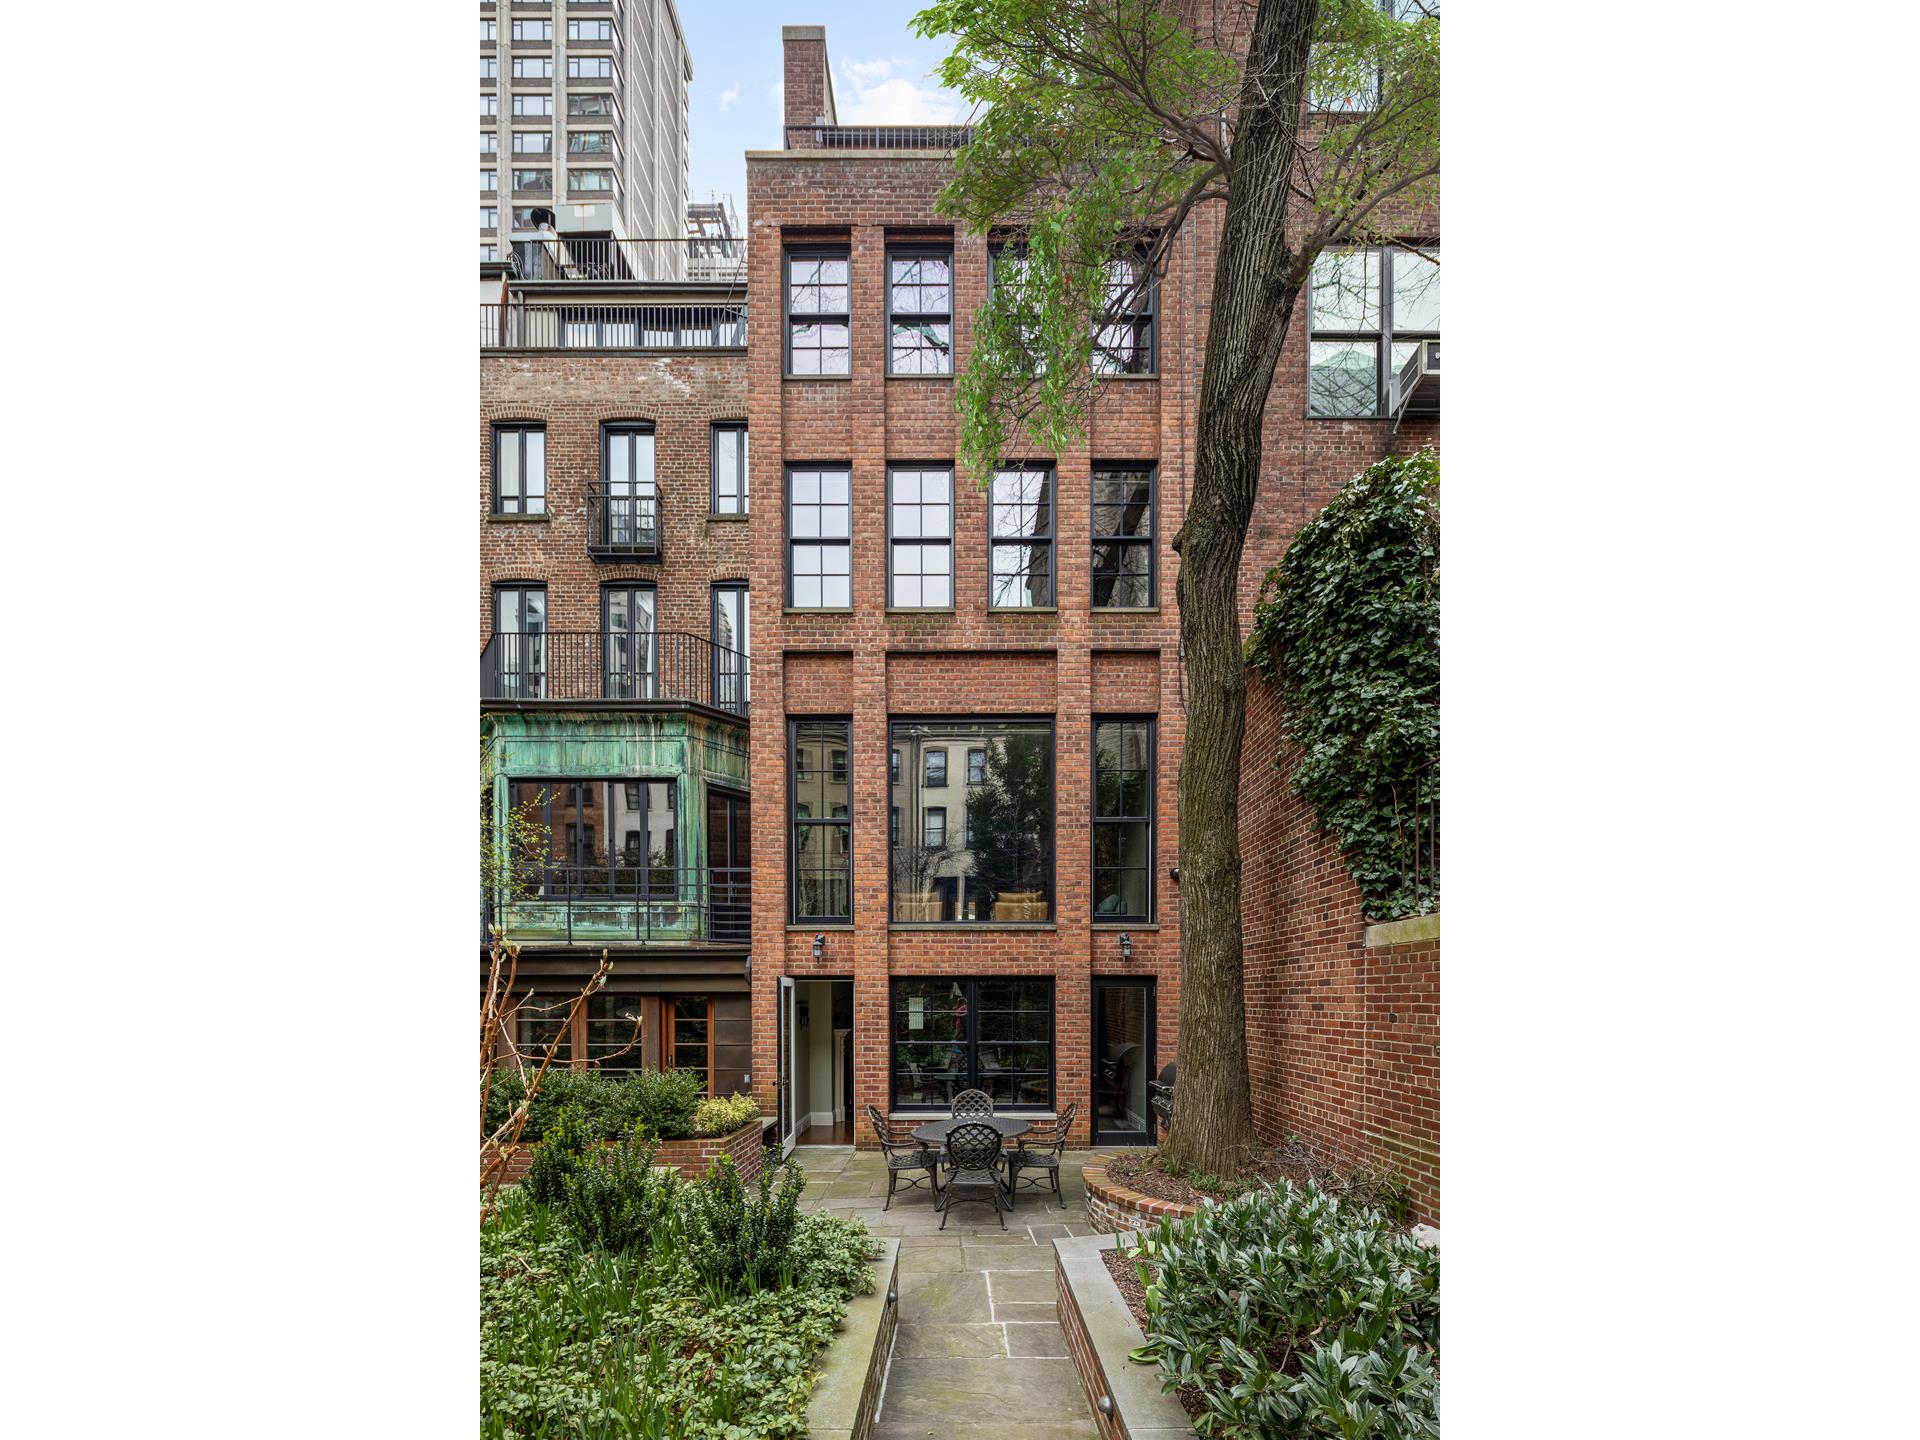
{"points": [[809, 84]]}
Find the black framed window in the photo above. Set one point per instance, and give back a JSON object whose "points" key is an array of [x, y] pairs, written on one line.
{"points": [[819, 539], [727, 490], [919, 312], [540, 1020], [1007, 265], [819, 326], [1123, 799], [1124, 531], [1123, 338], [1020, 517], [519, 469], [893, 825], [1370, 310], [518, 650], [920, 538], [821, 790], [628, 641], [950, 1035], [976, 766], [629, 498], [731, 677], [613, 1033], [894, 766], [1003, 872], [614, 838]]}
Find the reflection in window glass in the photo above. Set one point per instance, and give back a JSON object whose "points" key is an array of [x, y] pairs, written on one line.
{"points": [[819, 539], [1123, 535], [1122, 819], [950, 1035], [1020, 566], [993, 862], [822, 807], [920, 547]]}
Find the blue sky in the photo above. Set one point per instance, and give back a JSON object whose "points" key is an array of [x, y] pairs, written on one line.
{"points": [[881, 76]]}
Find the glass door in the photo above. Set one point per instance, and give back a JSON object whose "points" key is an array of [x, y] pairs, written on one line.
{"points": [[783, 1085], [627, 623], [728, 888], [1123, 1061]]}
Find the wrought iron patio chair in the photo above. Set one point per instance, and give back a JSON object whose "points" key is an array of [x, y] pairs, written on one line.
{"points": [[1038, 1151], [905, 1156], [973, 1105], [975, 1159]]}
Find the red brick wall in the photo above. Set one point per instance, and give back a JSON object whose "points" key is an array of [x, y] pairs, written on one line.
{"points": [[807, 92], [691, 1158]]}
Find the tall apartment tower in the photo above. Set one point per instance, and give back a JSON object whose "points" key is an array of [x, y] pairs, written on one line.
{"points": [[583, 112]]}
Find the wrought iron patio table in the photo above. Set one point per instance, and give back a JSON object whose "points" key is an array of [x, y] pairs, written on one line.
{"points": [[935, 1132]]}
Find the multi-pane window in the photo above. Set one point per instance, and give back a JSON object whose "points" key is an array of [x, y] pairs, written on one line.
{"points": [[533, 181], [893, 824], [617, 839], [533, 29], [627, 640], [1003, 873], [819, 539], [489, 252], [893, 766], [689, 1036], [589, 67], [1020, 568], [533, 142], [592, 104], [822, 820], [951, 1035], [589, 29], [489, 217], [519, 644], [1123, 342], [728, 489], [614, 1033], [590, 142], [489, 104], [523, 217], [1123, 537], [818, 325], [593, 180], [920, 312], [489, 31], [489, 143], [532, 67], [519, 469], [629, 498], [1371, 309], [541, 1020], [920, 539], [1006, 265], [976, 766], [533, 104], [1122, 819], [730, 641], [489, 67], [489, 181]]}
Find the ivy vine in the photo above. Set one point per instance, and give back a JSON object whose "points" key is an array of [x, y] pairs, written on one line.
{"points": [[1348, 627]]}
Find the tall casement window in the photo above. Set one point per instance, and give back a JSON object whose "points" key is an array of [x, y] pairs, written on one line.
{"points": [[920, 312], [1123, 341], [1371, 309], [489, 143], [728, 459], [617, 839], [951, 1035], [821, 785], [1007, 264], [489, 104], [489, 181], [626, 626], [818, 306], [730, 675], [489, 217], [489, 67], [919, 538], [1123, 819], [1123, 537], [819, 539], [517, 653], [687, 1030], [489, 31], [626, 503], [992, 861], [519, 469], [1020, 569]]}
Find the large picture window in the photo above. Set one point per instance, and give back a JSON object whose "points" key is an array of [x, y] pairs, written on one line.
{"points": [[1123, 819], [613, 838], [951, 1035], [820, 785], [984, 855], [1123, 537], [818, 314], [1020, 572], [1371, 309]]}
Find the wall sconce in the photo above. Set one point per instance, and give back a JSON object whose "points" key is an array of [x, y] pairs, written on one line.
{"points": [[819, 946], [1126, 945]]}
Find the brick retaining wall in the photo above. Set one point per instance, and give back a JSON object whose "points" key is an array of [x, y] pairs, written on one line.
{"points": [[690, 1157], [1112, 1207]]}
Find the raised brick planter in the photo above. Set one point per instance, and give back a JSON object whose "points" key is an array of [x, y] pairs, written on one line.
{"points": [[1112, 1207], [690, 1157], [1127, 1401]]}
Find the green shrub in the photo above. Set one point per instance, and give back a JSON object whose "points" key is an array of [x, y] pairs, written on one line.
{"points": [[661, 1104], [616, 1201], [724, 1114], [558, 1155], [1296, 1316], [739, 1238]]}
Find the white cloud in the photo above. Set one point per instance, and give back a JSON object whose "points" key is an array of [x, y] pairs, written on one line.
{"points": [[868, 92], [727, 97]]}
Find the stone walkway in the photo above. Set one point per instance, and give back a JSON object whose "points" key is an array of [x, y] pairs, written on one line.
{"points": [[979, 1354]]}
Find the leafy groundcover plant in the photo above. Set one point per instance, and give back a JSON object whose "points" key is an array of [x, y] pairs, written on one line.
{"points": [[613, 1312], [1290, 1313], [665, 1104]]}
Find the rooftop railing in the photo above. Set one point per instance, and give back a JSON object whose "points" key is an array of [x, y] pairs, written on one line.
{"points": [[558, 325], [704, 258], [667, 666], [878, 137]]}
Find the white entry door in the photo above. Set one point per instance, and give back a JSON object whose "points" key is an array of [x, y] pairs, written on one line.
{"points": [[788, 1043]]}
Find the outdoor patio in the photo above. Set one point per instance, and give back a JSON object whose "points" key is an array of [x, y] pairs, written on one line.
{"points": [[979, 1352]]}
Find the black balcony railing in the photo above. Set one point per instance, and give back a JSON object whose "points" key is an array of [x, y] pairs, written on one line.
{"points": [[621, 523], [645, 666], [878, 137], [686, 257], [524, 325], [635, 901]]}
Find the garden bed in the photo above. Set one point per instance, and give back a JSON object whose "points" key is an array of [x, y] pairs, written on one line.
{"points": [[1127, 1401], [690, 1158], [1139, 1174]]}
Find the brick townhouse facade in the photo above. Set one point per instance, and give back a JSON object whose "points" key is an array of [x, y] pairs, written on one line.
{"points": [[966, 720]]}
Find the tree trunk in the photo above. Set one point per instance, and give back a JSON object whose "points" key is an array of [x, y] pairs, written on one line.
{"points": [[1256, 278]]}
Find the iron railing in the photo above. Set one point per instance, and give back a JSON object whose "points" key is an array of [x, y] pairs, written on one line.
{"points": [[878, 137], [685, 257], [1417, 835], [524, 325], [623, 522], [647, 904], [587, 665]]}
